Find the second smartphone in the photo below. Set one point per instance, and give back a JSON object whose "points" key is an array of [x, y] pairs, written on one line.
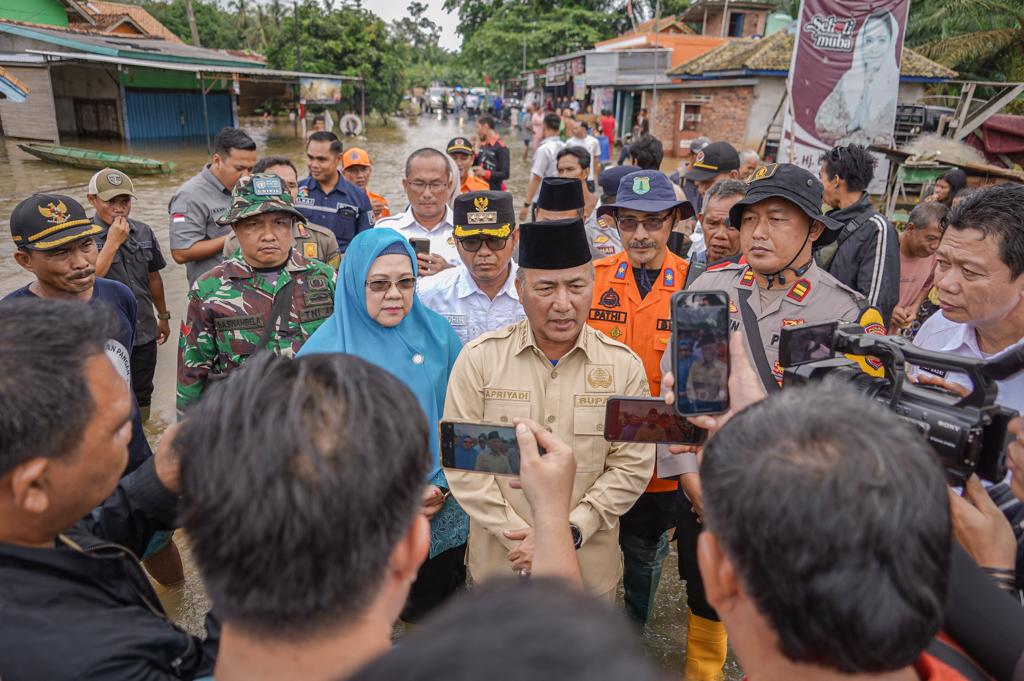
{"points": [[700, 358], [648, 419]]}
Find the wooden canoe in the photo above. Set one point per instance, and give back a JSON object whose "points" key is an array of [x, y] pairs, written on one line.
{"points": [[97, 160]]}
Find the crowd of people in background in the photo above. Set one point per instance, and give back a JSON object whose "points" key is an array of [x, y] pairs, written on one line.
{"points": [[328, 332]]}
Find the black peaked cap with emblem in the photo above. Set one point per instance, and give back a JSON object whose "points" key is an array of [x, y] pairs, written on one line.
{"points": [[486, 213], [560, 193], [459, 145], [44, 222], [553, 245], [796, 185]]}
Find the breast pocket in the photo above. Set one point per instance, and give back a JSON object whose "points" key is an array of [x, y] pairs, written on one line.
{"points": [[237, 337], [503, 411], [588, 441]]}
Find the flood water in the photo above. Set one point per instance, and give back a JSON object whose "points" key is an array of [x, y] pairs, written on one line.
{"points": [[22, 174]]}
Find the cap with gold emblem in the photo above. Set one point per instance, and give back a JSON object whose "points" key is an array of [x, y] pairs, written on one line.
{"points": [[485, 214], [796, 185], [44, 222], [109, 183]]}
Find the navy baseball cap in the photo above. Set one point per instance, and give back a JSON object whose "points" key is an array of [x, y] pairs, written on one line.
{"points": [[648, 191], [796, 185], [610, 178], [44, 222]]}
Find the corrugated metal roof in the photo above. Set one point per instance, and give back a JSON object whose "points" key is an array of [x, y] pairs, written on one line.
{"points": [[189, 67], [774, 53]]}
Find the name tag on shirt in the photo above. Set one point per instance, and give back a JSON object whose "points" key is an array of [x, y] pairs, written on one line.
{"points": [[305, 201], [456, 319]]}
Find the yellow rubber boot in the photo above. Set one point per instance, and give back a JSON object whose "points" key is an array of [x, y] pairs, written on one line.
{"points": [[705, 649]]}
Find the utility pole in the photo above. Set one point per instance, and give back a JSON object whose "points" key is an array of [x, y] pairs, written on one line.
{"points": [[654, 87], [192, 24], [298, 47]]}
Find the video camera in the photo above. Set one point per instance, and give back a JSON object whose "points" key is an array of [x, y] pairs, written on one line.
{"points": [[487, 159], [967, 433]]}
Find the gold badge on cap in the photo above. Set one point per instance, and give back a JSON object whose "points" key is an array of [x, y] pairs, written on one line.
{"points": [[764, 172], [54, 214]]}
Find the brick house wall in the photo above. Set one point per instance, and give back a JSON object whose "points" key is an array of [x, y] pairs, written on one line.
{"points": [[753, 22], [723, 116]]}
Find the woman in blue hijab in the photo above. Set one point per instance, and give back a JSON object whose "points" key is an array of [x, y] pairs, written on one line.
{"points": [[378, 317]]}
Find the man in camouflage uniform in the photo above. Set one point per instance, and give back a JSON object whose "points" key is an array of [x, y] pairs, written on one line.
{"points": [[266, 295]]}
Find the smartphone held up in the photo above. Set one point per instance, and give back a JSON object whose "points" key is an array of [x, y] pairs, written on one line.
{"points": [[700, 361], [479, 447], [650, 420]]}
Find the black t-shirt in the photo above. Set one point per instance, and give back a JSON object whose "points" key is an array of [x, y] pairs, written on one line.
{"points": [[645, 279]]}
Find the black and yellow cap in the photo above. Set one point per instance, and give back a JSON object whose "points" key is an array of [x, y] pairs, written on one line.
{"points": [[459, 145], [44, 222], [486, 213]]}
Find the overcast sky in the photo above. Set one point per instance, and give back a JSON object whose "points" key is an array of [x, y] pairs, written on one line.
{"points": [[389, 10]]}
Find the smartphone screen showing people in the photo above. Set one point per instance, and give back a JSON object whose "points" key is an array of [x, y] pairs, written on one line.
{"points": [[480, 447], [638, 419], [700, 323]]}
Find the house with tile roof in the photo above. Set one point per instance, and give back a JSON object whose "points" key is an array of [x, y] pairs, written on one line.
{"points": [[736, 93]]}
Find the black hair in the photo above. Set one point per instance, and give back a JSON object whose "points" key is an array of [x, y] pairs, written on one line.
{"points": [[46, 399], [957, 180], [646, 152], [964, 194], [428, 152], [927, 213], [724, 189], [271, 162], [536, 630], [298, 478], [581, 154], [997, 212], [852, 163], [834, 513], [232, 138], [325, 136], [487, 120], [552, 121]]}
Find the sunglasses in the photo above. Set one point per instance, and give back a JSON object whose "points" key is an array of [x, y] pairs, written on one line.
{"points": [[384, 285], [474, 243], [651, 224]]}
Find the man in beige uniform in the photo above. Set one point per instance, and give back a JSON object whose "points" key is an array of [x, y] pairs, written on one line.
{"points": [[776, 284], [553, 368]]}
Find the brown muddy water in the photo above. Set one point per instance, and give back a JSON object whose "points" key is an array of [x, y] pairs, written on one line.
{"points": [[22, 174]]}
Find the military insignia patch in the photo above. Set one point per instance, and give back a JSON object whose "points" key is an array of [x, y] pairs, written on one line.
{"points": [[600, 377], [54, 214], [267, 186], [764, 172], [641, 185], [748, 278], [610, 299], [670, 277], [114, 179], [317, 282], [799, 291], [615, 333], [309, 249], [620, 273], [791, 322]]}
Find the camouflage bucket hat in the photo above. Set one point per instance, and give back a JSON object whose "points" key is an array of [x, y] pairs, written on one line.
{"points": [[256, 194]]}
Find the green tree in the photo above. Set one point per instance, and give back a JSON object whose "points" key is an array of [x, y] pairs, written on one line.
{"points": [[218, 29], [347, 40]]}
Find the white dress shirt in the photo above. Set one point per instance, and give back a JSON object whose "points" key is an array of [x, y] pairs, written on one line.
{"points": [[593, 148], [442, 242], [943, 335], [545, 159], [455, 296]]}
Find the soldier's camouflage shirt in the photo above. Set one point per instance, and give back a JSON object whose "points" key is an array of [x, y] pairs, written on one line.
{"points": [[227, 312]]}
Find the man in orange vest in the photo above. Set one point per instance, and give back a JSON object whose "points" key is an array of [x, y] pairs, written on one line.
{"points": [[461, 151], [356, 167], [631, 303]]}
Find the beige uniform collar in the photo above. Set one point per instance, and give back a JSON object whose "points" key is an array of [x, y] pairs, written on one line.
{"points": [[525, 339]]}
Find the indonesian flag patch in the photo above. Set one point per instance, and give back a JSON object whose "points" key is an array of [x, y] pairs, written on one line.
{"points": [[178, 217]]}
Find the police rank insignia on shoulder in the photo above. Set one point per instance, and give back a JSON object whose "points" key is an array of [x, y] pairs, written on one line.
{"points": [[764, 172], [748, 278], [799, 291], [610, 298]]}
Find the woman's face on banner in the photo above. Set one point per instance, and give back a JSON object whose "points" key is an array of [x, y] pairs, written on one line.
{"points": [[877, 41]]}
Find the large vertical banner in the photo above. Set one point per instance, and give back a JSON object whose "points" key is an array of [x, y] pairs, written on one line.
{"points": [[844, 79]]}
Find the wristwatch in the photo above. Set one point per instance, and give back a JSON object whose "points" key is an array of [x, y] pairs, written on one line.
{"points": [[164, 316], [577, 536]]}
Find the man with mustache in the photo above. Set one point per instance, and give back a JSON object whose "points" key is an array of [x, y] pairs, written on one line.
{"points": [[553, 368], [265, 296], [56, 242], [632, 304]]}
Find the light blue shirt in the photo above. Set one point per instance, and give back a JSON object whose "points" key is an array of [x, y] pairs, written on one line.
{"points": [[943, 335]]}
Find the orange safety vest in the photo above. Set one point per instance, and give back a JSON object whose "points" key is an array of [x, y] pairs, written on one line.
{"points": [[645, 325], [474, 184]]}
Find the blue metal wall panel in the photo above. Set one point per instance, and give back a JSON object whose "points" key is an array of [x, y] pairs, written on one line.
{"points": [[162, 114]]}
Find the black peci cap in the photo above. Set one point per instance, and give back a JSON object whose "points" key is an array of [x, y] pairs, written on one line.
{"points": [[714, 159], [560, 193], [796, 185], [486, 213], [44, 222], [553, 245]]}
